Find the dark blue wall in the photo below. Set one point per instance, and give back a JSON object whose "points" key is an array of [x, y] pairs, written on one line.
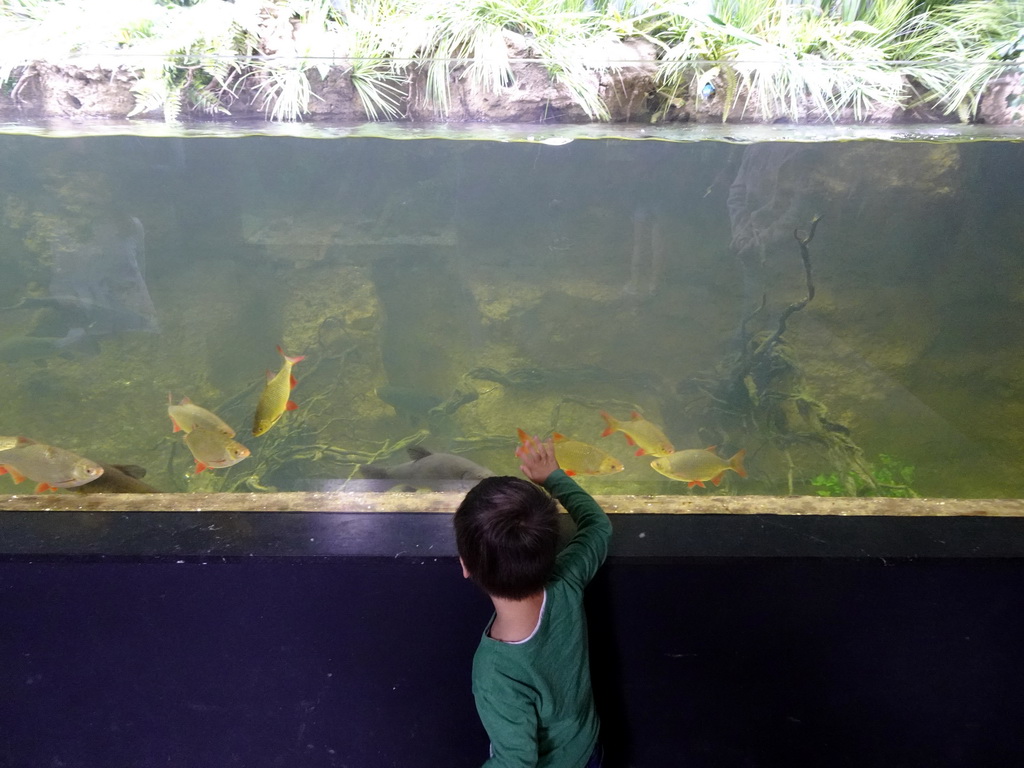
{"points": [[364, 662]]}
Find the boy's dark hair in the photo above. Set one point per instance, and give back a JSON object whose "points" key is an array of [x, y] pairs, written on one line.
{"points": [[506, 531]]}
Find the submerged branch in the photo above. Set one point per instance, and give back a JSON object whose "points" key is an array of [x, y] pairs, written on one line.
{"points": [[796, 306]]}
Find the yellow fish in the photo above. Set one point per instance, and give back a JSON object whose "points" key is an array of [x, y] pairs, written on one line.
{"points": [[186, 416], [646, 436], [274, 400], [214, 450], [50, 467], [578, 458], [694, 466]]}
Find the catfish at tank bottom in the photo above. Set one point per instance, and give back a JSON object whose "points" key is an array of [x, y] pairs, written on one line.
{"points": [[428, 470], [15, 349], [118, 478]]}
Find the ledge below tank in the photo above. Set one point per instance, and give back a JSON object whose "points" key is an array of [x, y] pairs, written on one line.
{"points": [[418, 525], [323, 630]]}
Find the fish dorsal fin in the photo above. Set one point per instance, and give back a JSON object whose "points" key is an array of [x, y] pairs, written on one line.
{"points": [[635, 415], [22, 440], [711, 448], [558, 437], [417, 452], [186, 401]]}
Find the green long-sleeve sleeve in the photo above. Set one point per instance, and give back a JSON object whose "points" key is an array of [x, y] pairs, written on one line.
{"points": [[589, 546]]}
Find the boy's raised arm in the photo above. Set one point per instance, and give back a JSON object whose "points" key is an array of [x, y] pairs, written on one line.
{"points": [[589, 547]]}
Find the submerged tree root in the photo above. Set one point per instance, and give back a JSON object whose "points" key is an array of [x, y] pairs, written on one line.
{"points": [[763, 392]]}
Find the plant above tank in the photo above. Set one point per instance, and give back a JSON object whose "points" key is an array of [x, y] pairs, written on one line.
{"points": [[770, 59]]}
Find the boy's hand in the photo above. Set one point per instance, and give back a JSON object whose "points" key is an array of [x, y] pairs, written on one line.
{"points": [[538, 459]]}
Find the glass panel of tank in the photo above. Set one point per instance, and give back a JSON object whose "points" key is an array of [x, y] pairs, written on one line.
{"points": [[367, 313]]}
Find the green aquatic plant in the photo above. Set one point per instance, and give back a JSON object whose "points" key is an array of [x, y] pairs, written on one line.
{"points": [[888, 477]]}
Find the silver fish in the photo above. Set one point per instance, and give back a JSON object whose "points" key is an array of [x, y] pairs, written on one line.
{"points": [[47, 465], [214, 450]]}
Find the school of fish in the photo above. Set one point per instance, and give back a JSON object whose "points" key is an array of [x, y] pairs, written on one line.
{"points": [[208, 437], [212, 444]]}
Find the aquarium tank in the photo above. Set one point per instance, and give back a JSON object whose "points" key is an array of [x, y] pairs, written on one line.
{"points": [[725, 311]]}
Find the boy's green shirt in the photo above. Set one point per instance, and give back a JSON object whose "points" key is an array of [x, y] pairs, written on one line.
{"points": [[534, 697]]}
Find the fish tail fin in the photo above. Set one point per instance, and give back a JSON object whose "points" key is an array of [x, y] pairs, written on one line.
{"points": [[612, 424], [736, 462], [293, 359], [374, 472]]}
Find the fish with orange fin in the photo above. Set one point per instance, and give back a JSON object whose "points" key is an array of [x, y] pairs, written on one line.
{"points": [[645, 435], [47, 465], [579, 458], [186, 416], [694, 466], [214, 450], [275, 398]]}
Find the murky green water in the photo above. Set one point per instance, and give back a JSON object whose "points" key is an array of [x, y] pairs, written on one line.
{"points": [[445, 293]]}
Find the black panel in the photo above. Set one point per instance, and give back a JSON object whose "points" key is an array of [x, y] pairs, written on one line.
{"points": [[714, 662]]}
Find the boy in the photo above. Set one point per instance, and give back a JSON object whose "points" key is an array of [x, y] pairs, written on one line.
{"points": [[531, 672]]}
